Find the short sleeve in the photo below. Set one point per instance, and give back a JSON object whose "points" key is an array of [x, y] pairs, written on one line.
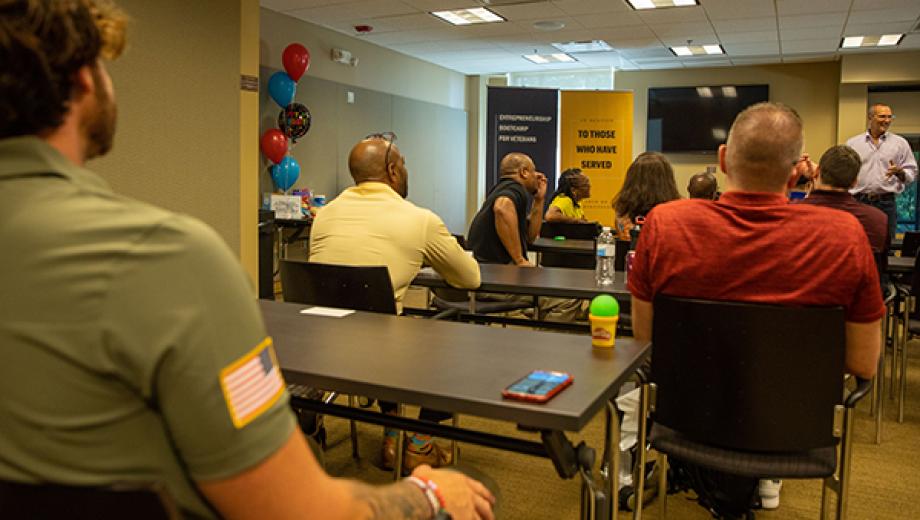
{"points": [[183, 328], [564, 204], [639, 282], [867, 304]]}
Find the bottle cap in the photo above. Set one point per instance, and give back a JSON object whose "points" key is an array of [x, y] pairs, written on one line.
{"points": [[604, 305], [606, 229]]}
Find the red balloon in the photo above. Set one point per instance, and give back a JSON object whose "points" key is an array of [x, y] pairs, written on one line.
{"points": [[274, 145], [296, 60]]}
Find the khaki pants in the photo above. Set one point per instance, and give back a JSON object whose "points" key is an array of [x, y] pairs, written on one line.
{"points": [[550, 309]]}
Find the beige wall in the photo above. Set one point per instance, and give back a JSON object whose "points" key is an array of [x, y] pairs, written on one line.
{"points": [[378, 68], [811, 88], [859, 71], [177, 86]]}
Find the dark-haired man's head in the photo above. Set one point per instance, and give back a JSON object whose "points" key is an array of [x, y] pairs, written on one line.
{"points": [[53, 83], [764, 144], [703, 186], [838, 167]]}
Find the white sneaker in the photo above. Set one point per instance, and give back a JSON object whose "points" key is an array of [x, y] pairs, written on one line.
{"points": [[769, 493]]}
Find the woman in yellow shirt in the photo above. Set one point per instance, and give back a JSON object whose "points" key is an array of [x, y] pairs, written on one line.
{"points": [[573, 187]]}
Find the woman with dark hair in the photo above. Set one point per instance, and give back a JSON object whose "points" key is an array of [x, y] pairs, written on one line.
{"points": [[649, 182], [573, 187]]}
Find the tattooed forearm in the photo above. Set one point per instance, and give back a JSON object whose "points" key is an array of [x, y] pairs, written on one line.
{"points": [[398, 501]]}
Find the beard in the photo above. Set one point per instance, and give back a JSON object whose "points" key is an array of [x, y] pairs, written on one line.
{"points": [[99, 127]]}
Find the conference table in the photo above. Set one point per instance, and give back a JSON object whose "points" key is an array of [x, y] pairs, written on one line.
{"points": [[465, 369], [568, 246], [557, 282]]}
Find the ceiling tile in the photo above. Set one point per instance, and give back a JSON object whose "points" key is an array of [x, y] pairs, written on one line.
{"points": [[910, 41], [878, 28], [751, 49], [794, 7], [707, 62], [673, 15], [744, 25], [760, 36], [733, 9], [612, 19], [574, 7], [811, 33], [810, 46], [683, 30], [756, 61], [806, 21], [862, 5], [649, 53], [885, 15], [367, 8], [287, 5], [535, 11]]}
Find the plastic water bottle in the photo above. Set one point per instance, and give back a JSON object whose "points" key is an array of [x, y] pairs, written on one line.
{"points": [[606, 253]]}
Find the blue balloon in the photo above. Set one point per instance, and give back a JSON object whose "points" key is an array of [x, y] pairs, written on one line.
{"points": [[285, 173], [281, 88]]}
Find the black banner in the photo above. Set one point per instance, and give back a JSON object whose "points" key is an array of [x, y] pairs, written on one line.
{"points": [[522, 120]]}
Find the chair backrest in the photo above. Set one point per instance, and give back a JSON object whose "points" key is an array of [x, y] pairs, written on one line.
{"points": [[748, 376], [910, 244], [581, 231], [363, 288], [619, 261], [135, 501]]}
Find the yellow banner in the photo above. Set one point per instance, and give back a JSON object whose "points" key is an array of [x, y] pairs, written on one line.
{"points": [[596, 136]]}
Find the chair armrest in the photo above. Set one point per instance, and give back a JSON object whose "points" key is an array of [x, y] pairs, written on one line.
{"points": [[863, 386], [892, 292]]}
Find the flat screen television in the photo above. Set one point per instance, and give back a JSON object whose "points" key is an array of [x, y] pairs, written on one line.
{"points": [[696, 119]]}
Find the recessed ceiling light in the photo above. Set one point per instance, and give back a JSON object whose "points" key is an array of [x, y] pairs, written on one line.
{"points": [[729, 92], [468, 16], [703, 91], [658, 4], [885, 40], [697, 50], [583, 46], [548, 25], [542, 59]]}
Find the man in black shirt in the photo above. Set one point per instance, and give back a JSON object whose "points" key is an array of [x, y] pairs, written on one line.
{"points": [[511, 216]]}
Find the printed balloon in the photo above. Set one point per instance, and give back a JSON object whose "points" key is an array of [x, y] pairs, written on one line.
{"points": [[294, 120]]}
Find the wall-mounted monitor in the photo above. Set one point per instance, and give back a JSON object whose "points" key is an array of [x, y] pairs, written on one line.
{"points": [[696, 119]]}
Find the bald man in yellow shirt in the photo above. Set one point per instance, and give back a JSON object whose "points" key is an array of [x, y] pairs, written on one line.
{"points": [[372, 223]]}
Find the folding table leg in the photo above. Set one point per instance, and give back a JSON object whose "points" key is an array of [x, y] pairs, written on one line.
{"points": [[400, 445], [641, 453]]}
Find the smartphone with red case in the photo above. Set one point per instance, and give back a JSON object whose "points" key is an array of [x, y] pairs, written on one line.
{"points": [[538, 386]]}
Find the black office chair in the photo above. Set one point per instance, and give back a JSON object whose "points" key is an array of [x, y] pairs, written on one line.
{"points": [[576, 231], [910, 243], [752, 390], [363, 288], [910, 319], [580, 231], [52, 501]]}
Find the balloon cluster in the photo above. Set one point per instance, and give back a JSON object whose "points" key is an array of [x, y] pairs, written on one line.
{"points": [[293, 121]]}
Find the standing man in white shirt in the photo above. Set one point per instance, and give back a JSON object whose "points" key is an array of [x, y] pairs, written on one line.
{"points": [[888, 165]]}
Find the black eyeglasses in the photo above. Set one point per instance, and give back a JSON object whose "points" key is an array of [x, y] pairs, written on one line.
{"points": [[389, 137]]}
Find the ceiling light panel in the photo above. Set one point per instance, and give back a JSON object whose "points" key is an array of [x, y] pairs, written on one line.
{"points": [[698, 50], [583, 46], [543, 59], [659, 4], [884, 40], [469, 16]]}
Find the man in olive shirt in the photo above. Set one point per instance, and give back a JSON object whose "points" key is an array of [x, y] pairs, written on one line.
{"points": [[131, 347]]}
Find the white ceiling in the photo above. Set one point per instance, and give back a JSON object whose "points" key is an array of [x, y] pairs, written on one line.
{"points": [[750, 31]]}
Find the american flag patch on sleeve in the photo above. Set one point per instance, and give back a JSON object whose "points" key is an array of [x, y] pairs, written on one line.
{"points": [[252, 384]]}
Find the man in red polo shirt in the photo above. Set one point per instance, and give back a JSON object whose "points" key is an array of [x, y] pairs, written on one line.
{"points": [[752, 246]]}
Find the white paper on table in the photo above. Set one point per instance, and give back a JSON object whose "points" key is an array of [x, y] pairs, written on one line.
{"points": [[330, 312]]}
